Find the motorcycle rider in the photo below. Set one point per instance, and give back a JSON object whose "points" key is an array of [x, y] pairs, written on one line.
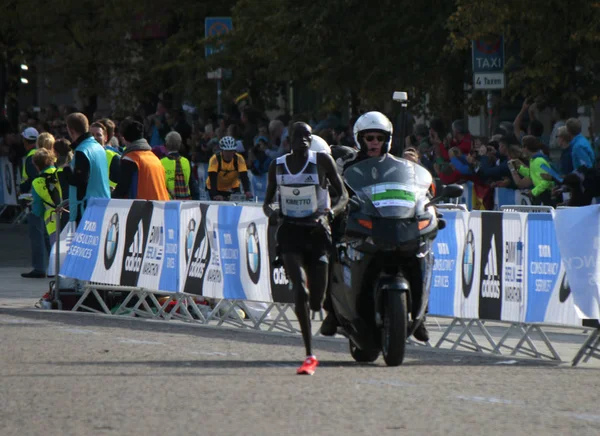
{"points": [[304, 236], [373, 137]]}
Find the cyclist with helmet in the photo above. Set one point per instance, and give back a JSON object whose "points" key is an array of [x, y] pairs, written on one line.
{"points": [[373, 137], [225, 172], [304, 236]]}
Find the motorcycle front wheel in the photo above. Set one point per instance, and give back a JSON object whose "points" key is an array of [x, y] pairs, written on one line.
{"points": [[393, 333], [362, 356]]}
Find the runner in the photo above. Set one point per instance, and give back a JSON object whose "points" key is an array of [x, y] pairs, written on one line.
{"points": [[304, 236]]}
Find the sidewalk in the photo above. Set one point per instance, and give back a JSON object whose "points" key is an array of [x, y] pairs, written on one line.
{"points": [[15, 258]]}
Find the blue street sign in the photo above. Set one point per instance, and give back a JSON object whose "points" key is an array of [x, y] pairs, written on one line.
{"points": [[488, 55], [214, 26]]}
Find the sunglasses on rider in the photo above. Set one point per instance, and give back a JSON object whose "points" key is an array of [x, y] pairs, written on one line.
{"points": [[370, 138]]}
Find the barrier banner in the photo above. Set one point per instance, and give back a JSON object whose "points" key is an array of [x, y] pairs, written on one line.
{"points": [[470, 260], [447, 273], [280, 285], [514, 261], [8, 190], [578, 235], [490, 266]]}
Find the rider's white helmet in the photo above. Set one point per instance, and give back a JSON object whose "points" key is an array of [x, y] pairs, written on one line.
{"points": [[319, 144], [373, 122], [227, 143]]}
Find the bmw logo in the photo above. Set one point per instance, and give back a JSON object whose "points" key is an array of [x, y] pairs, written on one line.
{"points": [[190, 237], [111, 241], [253, 253], [565, 289], [7, 177], [468, 264], [296, 192]]}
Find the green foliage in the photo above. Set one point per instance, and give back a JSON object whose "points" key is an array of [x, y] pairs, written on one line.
{"points": [[551, 46]]}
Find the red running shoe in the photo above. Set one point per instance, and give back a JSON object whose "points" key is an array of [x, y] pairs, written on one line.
{"points": [[309, 366]]}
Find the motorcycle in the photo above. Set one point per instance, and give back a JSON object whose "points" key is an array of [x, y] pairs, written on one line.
{"points": [[382, 267]]}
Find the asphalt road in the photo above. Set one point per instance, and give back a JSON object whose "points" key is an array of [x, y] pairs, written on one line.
{"points": [[80, 374]]}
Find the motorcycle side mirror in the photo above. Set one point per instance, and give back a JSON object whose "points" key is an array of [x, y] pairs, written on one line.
{"points": [[452, 191], [353, 205], [449, 191]]}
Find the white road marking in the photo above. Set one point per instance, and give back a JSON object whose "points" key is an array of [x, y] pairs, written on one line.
{"points": [[491, 400], [394, 383], [79, 331], [507, 362], [137, 342]]}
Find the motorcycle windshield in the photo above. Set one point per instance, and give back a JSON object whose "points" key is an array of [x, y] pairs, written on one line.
{"points": [[387, 186]]}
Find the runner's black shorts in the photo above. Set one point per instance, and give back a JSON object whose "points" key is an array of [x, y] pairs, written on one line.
{"points": [[312, 239]]}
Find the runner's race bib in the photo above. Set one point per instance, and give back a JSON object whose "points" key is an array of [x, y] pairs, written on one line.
{"points": [[298, 202]]}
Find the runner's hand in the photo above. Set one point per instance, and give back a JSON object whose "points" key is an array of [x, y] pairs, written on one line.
{"points": [[249, 195]]}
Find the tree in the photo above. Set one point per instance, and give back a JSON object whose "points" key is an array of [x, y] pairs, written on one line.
{"points": [[553, 47]]}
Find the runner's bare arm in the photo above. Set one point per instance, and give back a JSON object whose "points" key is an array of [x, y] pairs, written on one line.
{"points": [[271, 189], [325, 161]]}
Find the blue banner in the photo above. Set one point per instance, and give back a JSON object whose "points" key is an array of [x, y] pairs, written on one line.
{"points": [[226, 229], [83, 252], [443, 281], [543, 262], [504, 197], [578, 232], [169, 277]]}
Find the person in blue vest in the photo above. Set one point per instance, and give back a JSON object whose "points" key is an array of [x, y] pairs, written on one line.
{"points": [[87, 174]]}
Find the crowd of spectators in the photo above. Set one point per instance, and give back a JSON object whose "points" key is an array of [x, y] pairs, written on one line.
{"points": [[517, 156]]}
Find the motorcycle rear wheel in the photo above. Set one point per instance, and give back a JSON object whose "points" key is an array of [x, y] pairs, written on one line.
{"points": [[393, 333], [362, 356]]}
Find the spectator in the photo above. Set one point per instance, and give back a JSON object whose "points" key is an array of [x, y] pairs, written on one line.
{"points": [[47, 193], [112, 142], [257, 158], [142, 175], [64, 156], [45, 140], [535, 127], [177, 123], [563, 139], [582, 153], [28, 170], [98, 130], [541, 194], [496, 172], [276, 131], [87, 174], [178, 171]]}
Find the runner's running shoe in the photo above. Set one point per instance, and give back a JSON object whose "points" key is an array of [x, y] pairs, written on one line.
{"points": [[309, 366]]}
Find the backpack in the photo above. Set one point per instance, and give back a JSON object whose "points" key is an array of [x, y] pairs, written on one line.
{"points": [[53, 187], [220, 160]]}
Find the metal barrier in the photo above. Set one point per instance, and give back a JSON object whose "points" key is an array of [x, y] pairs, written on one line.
{"points": [[461, 333]]}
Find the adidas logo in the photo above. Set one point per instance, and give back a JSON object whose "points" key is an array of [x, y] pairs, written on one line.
{"points": [[133, 262], [490, 287], [198, 264], [310, 179]]}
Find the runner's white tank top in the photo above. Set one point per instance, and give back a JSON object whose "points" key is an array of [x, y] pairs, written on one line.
{"points": [[301, 195]]}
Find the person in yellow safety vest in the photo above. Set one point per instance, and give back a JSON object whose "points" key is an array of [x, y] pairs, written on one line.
{"points": [[28, 170], [180, 183], [47, 193], [98, 131]]}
